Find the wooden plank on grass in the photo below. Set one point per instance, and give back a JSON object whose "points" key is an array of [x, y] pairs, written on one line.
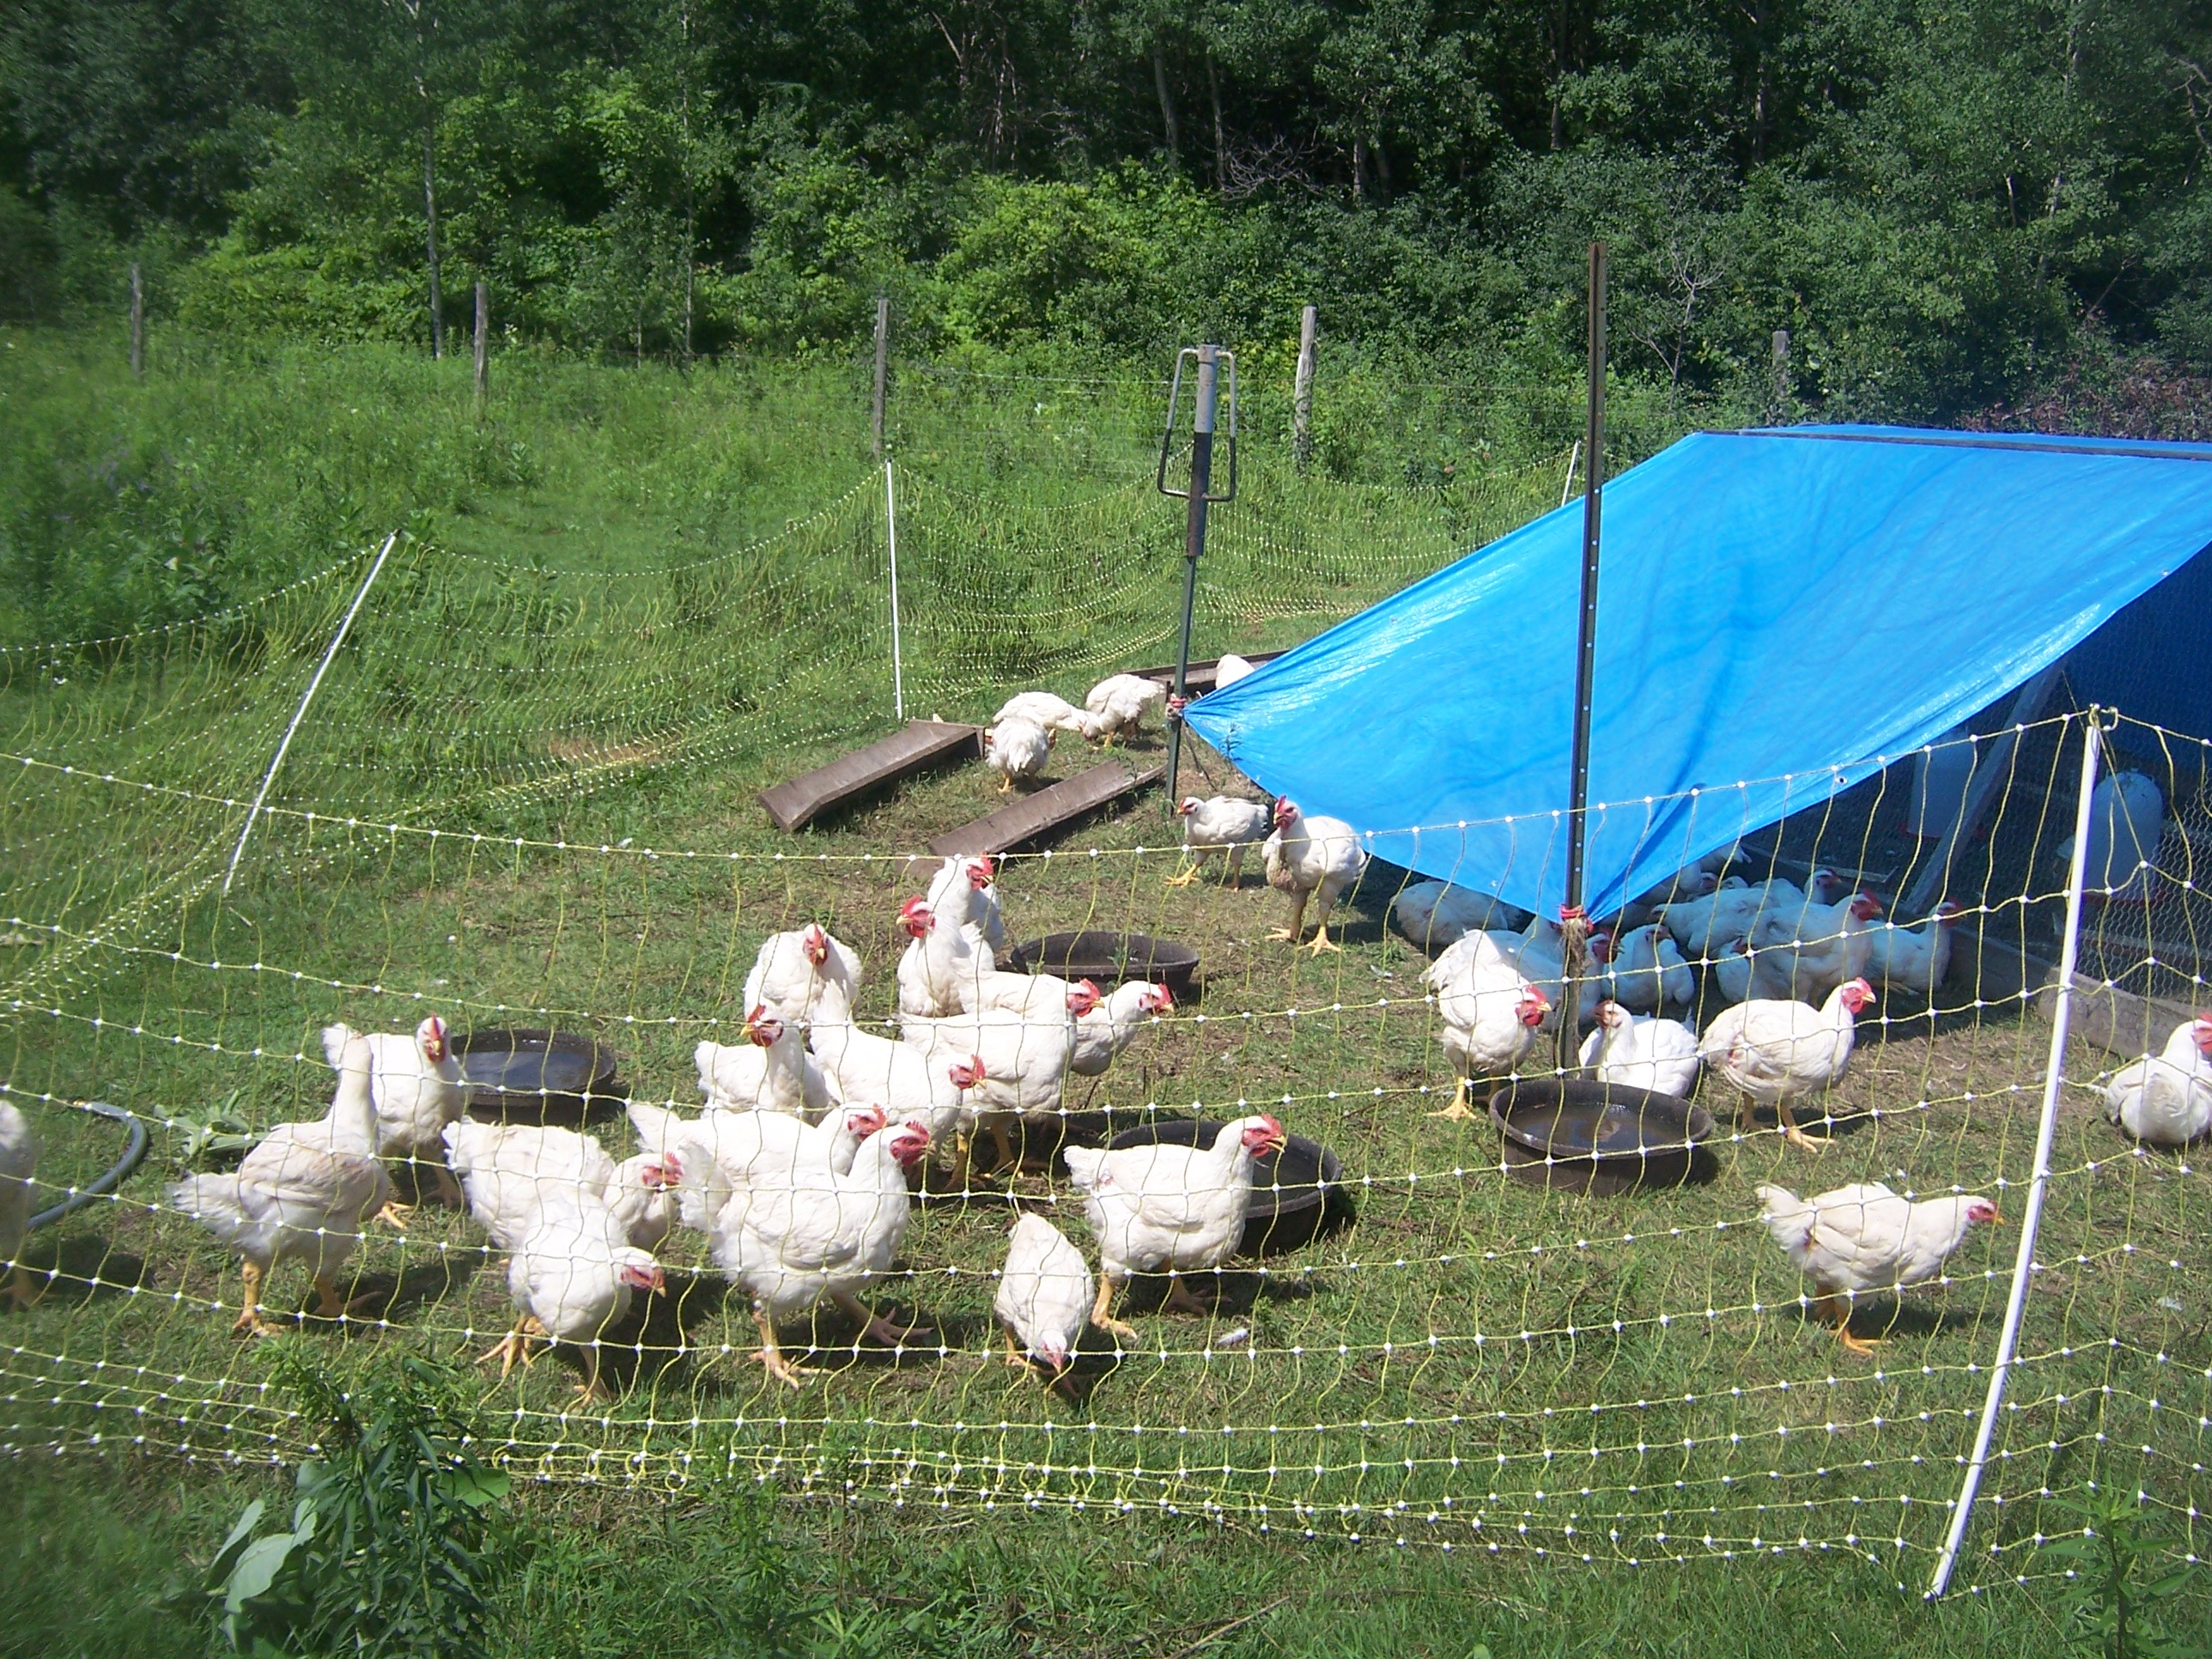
{"points": [[1200, 680], [921, 746], [1033, 816]]}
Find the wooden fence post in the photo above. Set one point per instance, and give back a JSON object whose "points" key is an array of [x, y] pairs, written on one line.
{"points": [[483, 339], [137, 323], [1302, 394]]}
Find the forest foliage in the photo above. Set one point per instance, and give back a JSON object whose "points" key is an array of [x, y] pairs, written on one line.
{"points": [[1946, 203]]}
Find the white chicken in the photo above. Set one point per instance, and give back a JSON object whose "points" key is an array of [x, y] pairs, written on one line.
{"points": [[551, 1198], [717, 1153], [2166, 1099], [1731, 972], [1044, 1296], [792, 968], [1489, 1013], [1778, 1052], [801, 1235], [19, 1164], [1808, 956], [416, 1082], [953, 972], [1107, 1028], [1642, 1051], [1866, 1237], [1230, 669], [770, 1072], [509, 1168], [1539, 953], [1017, 749], [1224, 824], [1706, 925], [1913, 958], [1054, 714], [1308, 856], [1018, 1065], [1435, 915], [1180, 1209], [1644, 972], [1120, 703], [912, 1082], [303, 1193], [965, 892]]}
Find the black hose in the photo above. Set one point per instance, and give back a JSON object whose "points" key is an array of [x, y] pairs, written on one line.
{"points": [[133, 1155]]}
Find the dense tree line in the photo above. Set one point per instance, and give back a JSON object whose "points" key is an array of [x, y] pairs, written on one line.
{"points": [[1946, 202]]}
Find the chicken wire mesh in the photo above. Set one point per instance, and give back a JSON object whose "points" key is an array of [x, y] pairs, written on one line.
{"points": [[1458, 1358]]}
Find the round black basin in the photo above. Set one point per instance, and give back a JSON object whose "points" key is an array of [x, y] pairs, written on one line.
{"points": [[536, 1077], [1298, 1193], [1108, 959], [1599, 1137]]}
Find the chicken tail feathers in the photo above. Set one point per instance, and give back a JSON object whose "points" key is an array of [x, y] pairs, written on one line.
{"points": [[1787, 1216], [1084, 1165], [335, 1038]]}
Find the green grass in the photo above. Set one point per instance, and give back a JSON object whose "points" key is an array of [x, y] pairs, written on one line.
{"points": [[577, 675]]}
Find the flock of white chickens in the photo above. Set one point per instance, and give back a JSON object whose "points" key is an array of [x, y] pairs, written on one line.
{"points": [[800, 1170]]}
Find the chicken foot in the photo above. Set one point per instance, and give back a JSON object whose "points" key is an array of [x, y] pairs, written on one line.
{"points": [[1460, 1111], [1015, 1357], [1835, 1306], [514, 1345], [875, 1325], [1186, 877], [1180, 1296], [22, 1295], [771, 1355], [591, 1391], [1298, 921], [249, 1313], [1102, 1310], [1795, 1136]]}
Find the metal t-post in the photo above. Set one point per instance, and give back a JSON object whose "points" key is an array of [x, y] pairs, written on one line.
{"points": [[1571, 920], [1194, 544]]}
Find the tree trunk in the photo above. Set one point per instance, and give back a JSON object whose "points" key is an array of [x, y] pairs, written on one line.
{"points": [[1358, 171], [430, 220], [1220, 144], [1382, 173], [1167, 104]]}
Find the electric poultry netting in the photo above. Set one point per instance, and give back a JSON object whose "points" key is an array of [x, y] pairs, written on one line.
{"points": [[522, 801]]}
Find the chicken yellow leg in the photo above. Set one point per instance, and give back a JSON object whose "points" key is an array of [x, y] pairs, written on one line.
{"points": [[22, 1292], [890, 1334], [1297, 921], [1836, 1308], [1459, 1111], [1015, 1357], [1185, 877], [1795, 1136], [1102, 1310], [249, 1313], [1321, 941], [514, 1345], [591, 1391], [771, 1357], [1180, 1295]]}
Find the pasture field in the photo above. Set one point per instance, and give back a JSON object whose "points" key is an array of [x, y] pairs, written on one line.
{"points": [[524, 796]]}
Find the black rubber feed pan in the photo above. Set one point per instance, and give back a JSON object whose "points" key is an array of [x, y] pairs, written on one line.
{"points": [[1108, 959], [1599, 1137], [1297, 1194], [536, 1077]]}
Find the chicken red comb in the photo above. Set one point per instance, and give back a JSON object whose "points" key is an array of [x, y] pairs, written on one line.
{"points": [[980, 873], [815, 941]]}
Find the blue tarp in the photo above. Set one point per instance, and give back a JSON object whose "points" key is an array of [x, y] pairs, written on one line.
{"points": [[1778, 610]]}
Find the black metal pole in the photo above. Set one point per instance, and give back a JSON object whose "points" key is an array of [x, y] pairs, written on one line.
{"points": [[1194, 544], [1571, 920]]}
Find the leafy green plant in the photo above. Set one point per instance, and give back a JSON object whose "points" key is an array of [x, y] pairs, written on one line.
{"points": [[395, 1544], [2113, 1603], [222, 1134]]}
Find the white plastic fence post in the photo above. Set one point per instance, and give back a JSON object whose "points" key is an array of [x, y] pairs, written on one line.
{"points": [[301, 713], [890, 531], [2023, 1265], [1567, 485]]}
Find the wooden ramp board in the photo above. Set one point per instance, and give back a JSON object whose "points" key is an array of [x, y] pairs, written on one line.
{"points": [[923, 744], [1199, 681], [1031, 816]]}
